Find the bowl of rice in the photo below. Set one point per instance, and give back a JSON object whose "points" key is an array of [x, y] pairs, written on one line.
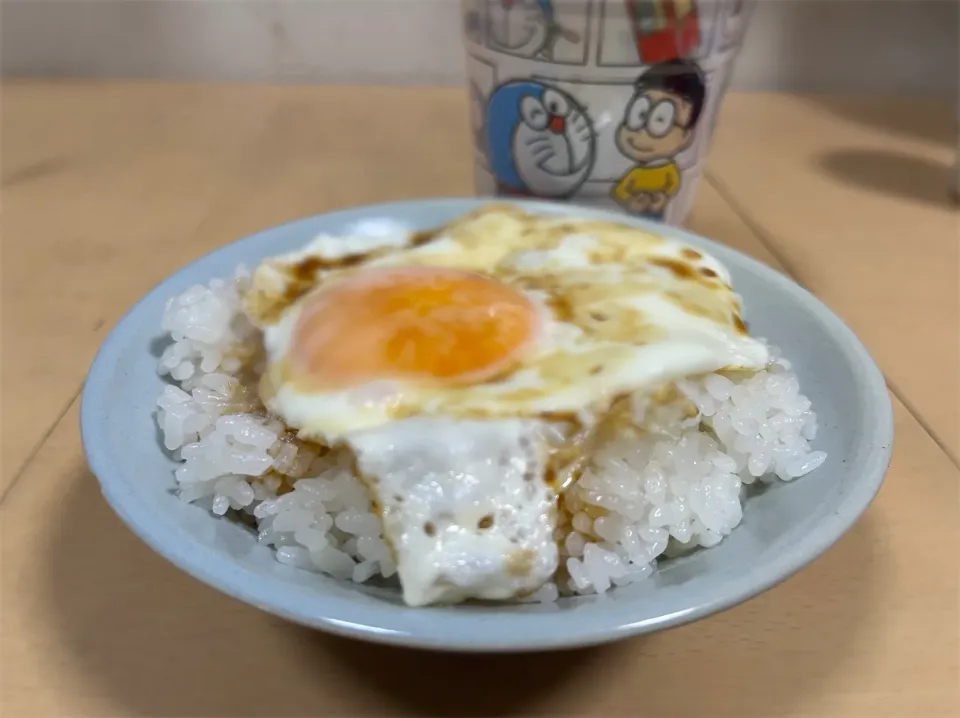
{"points": [[699, 460]]}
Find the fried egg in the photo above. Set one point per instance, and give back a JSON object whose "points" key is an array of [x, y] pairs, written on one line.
{"points": [[501, 314], [457, 363]]}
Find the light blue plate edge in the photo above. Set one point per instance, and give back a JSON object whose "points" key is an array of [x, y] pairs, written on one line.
{"points": [[500, 632]]}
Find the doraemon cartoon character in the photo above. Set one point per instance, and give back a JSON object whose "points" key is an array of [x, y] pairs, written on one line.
{"points": [[539, 140], [527, 28]]}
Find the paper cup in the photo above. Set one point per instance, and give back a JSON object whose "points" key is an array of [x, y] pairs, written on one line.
{"points": [[601, 102]]}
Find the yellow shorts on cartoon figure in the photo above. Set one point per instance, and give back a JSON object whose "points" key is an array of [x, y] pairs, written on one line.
{"points": [[663, 178]]}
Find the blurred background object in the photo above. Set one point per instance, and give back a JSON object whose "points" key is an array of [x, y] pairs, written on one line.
{"points": [[890, 46], [610, 103]]}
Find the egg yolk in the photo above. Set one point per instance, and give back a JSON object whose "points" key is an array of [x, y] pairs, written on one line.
{"points": [[412, 322]]}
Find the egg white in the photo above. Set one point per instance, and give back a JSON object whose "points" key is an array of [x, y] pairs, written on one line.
{"points": [[464, 506]]}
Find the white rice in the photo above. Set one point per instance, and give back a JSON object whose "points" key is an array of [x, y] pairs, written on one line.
{"points": [[676, 487]]}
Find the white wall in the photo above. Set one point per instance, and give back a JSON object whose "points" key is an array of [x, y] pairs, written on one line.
{"points": [[825, 45]]}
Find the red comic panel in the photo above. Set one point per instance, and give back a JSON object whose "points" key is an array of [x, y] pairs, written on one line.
{"points": [[664, 29]]}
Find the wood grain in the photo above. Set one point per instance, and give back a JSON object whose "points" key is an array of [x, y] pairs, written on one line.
{"points": [[107, 188]]}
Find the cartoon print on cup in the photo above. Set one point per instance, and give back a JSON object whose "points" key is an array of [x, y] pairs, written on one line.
{"points": [[540, 141], [477, 107], [664, 29], [659, 122], [527, 28], [732, 25], [473, 20], [645, 32]]}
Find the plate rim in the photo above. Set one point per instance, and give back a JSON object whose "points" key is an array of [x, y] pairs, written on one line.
{"points": [[519, 631]]}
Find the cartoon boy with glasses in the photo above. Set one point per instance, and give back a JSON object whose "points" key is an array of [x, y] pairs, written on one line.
{"points": [[659, 122]]}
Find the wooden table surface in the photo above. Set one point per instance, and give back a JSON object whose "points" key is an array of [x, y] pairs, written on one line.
{"points": [[107, 188]]}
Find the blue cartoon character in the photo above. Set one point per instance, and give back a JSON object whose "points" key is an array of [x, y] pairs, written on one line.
{"points": [[528, 28], [539, 140]]}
